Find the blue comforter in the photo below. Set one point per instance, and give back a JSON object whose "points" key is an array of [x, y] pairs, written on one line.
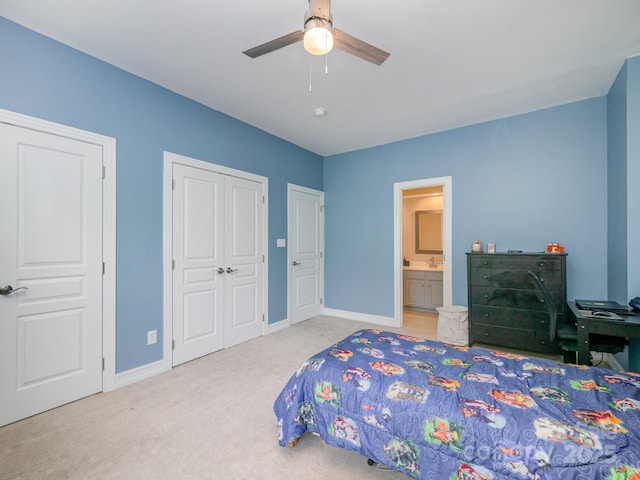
{"points": [[439, 411]]}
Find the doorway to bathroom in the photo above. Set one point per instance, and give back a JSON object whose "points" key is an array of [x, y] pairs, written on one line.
{"points": [[422, 246]]}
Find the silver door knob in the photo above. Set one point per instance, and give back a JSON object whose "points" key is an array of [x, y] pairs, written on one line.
{"points": [[220, 270], [8, 289], [231, 270], [295, 264]]}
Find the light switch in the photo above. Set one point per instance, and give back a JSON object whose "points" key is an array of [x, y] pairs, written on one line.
{"points": [[281, 242]]}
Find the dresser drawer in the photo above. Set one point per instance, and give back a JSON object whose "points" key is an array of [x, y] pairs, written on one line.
{"points": [[514, 298], [511, 317], [514, 278], [539, 263], [512, 337]]}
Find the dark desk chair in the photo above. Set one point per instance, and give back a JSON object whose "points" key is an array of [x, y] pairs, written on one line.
{"points": [[567, 333]]}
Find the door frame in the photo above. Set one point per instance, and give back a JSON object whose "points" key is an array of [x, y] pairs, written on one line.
{"points": [[108, 145], [447, 215], [290, 188], [167, 235]]}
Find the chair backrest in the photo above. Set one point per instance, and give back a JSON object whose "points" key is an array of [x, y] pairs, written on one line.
{"points": [[553, 311]]}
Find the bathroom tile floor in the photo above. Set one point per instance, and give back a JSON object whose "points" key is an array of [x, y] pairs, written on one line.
{"points": [[422, 324]]}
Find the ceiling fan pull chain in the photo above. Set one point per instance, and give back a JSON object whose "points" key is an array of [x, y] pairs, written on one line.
{"points": [[326, 54]]}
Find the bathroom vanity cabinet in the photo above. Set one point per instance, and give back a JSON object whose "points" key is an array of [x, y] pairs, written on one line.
{"points": [[505, 306], [422, 289]]}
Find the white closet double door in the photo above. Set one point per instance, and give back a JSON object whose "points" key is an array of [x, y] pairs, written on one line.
{"points": [[218, 261]]}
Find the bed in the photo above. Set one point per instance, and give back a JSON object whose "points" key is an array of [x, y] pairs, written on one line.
{"points": [[437, 411]]}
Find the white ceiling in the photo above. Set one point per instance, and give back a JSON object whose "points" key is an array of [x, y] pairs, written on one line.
{"points": [[452, 63]]}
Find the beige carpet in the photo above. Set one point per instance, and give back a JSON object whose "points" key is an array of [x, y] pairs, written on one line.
{"points": [[209, 419]]}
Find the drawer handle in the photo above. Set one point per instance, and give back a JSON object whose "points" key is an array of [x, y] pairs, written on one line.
{"points": [[486, 277], [486, 334], [542, 300], [486, 315], [541, 264], [486, 296], [485, 263]]}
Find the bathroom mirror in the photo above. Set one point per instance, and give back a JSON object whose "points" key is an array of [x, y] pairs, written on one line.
{"points": [[429, 231]]}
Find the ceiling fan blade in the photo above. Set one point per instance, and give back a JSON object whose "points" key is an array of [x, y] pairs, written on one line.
{"points": [[272, 45], [357, 47]]}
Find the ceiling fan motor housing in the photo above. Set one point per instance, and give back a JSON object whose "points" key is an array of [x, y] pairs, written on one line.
{"points": [[315, 21], [318, 39]]}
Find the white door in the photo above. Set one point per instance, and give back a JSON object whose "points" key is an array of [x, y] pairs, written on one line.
{"points": [[218, 261], [50, 245], [198, 257], [244, 260], [305, 253]]}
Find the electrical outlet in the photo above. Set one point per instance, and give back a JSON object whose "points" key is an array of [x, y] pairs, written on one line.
{"points": [[152, 337]]}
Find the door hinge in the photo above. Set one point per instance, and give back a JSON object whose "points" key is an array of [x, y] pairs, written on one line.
{"points": [[263, 317], [103, 364], [321, 301], [173, 264], [320, 254], [262, 258], [104, 172], [263, 199], [322, 208], [173, 344], [104, 268], [173, 184]]}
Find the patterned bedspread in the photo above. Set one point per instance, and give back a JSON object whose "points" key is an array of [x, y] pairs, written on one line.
{"points": [[442, 412]]}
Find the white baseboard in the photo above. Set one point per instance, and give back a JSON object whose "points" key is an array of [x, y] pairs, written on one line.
{"points": [[363, 317], [139, 373], [152, 369], [277, 326]]}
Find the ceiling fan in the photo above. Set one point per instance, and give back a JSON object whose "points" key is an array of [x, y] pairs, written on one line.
{"points": [[319, 37]]}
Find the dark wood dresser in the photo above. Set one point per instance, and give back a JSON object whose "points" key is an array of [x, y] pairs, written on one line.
{"points": [[505, 306]]}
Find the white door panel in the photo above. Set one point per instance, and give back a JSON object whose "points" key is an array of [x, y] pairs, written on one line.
{"points": [[218, 279], [52, 346], [199, 315], [305, 253], [307, 286], [51, 243], [198, 251], [244, 257]]}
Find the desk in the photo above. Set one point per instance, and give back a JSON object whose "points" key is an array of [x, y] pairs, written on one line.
{"points": [[629, 327]]}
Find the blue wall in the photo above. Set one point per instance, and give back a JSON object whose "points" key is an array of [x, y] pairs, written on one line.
{"points": [[633, 197], [617, 187], [623, 124], [633, 182], [520, 182], [48, 80]]}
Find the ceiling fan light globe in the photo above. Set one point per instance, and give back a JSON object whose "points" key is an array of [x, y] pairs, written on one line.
{"points": [[318, 40]]}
